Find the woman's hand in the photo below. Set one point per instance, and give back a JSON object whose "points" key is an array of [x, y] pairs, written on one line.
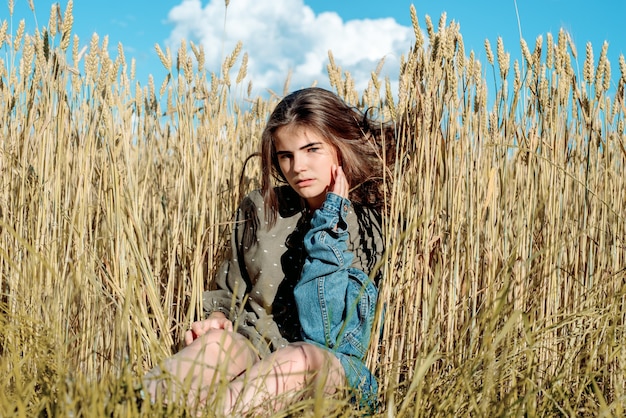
{"points": [[217, 320], [339, 185]]}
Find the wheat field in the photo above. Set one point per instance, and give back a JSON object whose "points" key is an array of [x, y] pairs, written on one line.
{"points": [[504, 290]]}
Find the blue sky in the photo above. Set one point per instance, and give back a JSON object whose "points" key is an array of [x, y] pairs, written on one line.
{"points": [[295, 35]]}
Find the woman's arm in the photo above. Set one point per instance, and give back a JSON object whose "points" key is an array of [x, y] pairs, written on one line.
{"points": [[336, 302], [232, 280]]}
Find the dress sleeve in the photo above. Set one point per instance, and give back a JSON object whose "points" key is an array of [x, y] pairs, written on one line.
{"points": [[232, 280], [336, 301]]}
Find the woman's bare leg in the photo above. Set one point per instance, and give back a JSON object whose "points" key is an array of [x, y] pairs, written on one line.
{"points": [[197, 369], [293, 372]]}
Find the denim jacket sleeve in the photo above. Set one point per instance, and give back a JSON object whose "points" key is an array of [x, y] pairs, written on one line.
{"points": [[336, 302]]}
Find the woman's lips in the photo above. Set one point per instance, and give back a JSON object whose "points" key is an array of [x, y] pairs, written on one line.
{"points": [[304, 182]]}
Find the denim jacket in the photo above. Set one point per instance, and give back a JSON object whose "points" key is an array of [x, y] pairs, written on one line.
{"points": [[255, 286], [336, 302]]}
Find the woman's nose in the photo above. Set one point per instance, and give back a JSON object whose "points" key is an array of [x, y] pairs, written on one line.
{"points": [[298, 164]]}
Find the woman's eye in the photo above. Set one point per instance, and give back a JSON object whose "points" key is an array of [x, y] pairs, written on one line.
{"points": [[314, 149]]}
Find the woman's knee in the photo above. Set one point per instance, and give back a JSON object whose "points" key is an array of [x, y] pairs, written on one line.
{"points": [[222, 347], [318, 364], [314, 357], [217, 353]]}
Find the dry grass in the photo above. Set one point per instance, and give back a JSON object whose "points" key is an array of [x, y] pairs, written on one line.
{"points": [[505, 278]]}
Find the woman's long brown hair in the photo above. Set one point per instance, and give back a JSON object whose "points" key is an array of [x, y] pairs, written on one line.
{"points": [[361, 144]]}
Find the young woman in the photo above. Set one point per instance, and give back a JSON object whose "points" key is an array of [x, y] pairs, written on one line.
{"points": [[293, 311]]}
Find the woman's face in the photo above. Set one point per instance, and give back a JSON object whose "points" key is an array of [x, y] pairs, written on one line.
{"points": [[306, 160]]}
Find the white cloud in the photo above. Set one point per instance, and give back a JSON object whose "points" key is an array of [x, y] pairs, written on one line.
{"points": [[286, 35]]}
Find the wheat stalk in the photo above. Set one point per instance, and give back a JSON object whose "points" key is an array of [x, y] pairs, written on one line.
{"points": [[503, 277]]}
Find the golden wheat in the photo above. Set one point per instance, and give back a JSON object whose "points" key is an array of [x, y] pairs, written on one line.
{"points": [[504, 290]]}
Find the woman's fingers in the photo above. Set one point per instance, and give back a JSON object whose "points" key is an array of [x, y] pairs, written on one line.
{"points": [[340, 182], [189, 337], [199, 328], [224, 324]]}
